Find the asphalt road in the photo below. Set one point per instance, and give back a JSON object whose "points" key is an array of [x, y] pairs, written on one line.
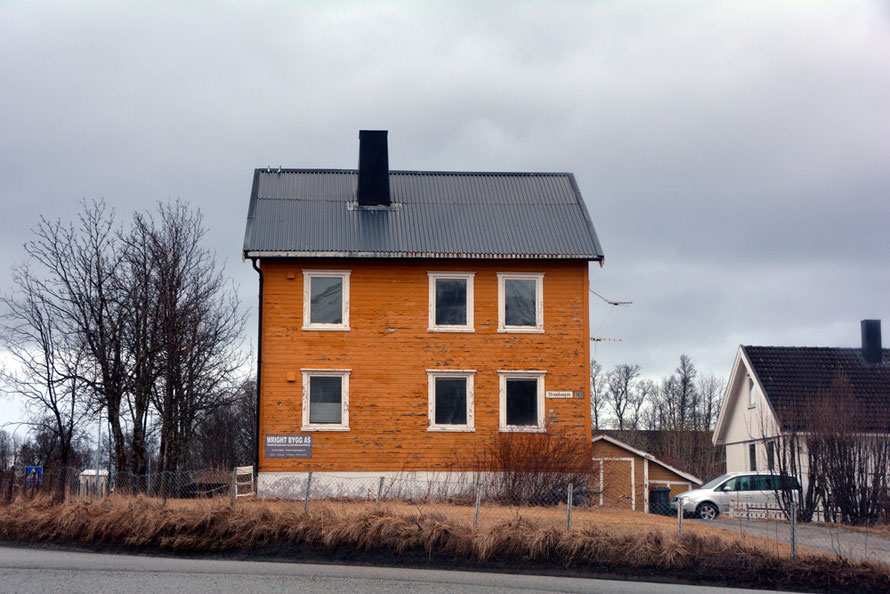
{"points": [[39, 570]]}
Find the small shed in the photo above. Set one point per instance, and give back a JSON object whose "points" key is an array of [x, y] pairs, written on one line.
{"points": [[93, 484], [624, 475]]}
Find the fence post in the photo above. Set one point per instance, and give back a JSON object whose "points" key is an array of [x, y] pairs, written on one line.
{"points": [[478, 500], [380, 489], [748, 511], [794, 530], [308, 486], [569, 507], [234, 484], [679, 517]]}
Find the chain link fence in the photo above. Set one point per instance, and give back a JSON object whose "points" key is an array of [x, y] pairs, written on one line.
{"points": [[68, 483], [471, 499], [563, 501], [819, 535]]}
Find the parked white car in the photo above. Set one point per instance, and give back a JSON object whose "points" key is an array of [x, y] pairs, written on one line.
{"points": [[757, 489]]}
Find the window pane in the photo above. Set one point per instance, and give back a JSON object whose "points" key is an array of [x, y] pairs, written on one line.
{"points": [[746, 483], [451, 401], [730, 485], [790, 482], [327, 300], [522, 402], [325, 400], [451, 302], [762, 483], [519, 302]]}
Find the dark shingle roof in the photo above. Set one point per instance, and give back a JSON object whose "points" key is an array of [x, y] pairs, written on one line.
{"points": [[295, 212], [792, 376]]}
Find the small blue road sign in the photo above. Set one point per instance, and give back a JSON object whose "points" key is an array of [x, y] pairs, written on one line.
{"points": [[33, 475]]}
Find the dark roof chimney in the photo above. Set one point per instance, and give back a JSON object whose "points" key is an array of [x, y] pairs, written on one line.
{"points": [[871, 341], [373, 168]]}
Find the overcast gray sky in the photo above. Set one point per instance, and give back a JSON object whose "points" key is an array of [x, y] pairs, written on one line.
{"points": [[735, 157]]}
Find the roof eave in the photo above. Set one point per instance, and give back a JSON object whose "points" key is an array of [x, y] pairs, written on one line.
{"points": [[358, 254], [645, 455]]}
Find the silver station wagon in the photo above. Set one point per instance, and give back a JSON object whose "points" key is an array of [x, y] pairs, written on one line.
{"points": [[736, 489]]}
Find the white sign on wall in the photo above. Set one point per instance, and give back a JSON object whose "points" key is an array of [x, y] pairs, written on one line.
{"points": [[558, 394], [288, 446]]}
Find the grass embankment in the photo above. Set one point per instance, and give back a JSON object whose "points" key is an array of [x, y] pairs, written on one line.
{"points": [[600, 542]]}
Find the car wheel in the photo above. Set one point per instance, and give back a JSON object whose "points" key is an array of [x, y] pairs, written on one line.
{"points": [[707, 511]]}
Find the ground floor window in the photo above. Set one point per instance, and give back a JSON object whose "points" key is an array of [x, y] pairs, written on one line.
{"points": [[450, 400], [325, 399], [521, 401], [752, 457]]}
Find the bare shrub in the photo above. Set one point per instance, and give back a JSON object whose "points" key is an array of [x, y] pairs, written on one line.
{"points": [[535, 468], [843, 469], [852, 464]]}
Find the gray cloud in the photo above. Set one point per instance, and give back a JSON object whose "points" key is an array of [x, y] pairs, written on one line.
{"points": [[734, 156]]}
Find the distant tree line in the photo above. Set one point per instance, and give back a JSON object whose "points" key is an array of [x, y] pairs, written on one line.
{"points": [[672, 418], [135, 323]]}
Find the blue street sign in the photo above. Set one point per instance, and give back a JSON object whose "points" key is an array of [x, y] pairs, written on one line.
{"points": [[33, 475]]}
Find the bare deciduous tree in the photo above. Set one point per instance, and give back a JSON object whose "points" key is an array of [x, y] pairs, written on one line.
{"points": [[200, 326], [598, 389], [621, 393], [6, 450], [81, 284], [46, 365], [226, 436], [139, 324], [841, 467], [710, 391]]}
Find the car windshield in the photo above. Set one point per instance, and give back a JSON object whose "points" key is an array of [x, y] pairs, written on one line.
{"points": [[714, 482]]}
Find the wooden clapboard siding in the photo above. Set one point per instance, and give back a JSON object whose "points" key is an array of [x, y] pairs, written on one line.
{"points": [[659, 476], [616, 487], [389, 349], [617, 476]]}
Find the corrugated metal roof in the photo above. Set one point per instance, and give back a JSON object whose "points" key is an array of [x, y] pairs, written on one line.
{"points": [[296, 212]]}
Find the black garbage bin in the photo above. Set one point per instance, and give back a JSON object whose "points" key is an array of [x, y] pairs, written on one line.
{"points": [[660, 501]]}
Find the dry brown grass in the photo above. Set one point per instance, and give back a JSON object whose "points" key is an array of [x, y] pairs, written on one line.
{"points": [[601, 540]]}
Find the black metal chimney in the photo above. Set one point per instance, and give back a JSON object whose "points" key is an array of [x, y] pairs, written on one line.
{"points": [[373, 168], [871, 341]]}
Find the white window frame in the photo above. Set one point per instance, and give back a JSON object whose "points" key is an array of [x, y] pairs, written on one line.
{"points": [[467, 276], [539, 301], [343, 374], [752, 394], [535, 375], [308, 275], [469, 375]]}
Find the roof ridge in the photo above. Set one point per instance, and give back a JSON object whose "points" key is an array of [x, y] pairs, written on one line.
{"points": [[323, 170], [802, 348]]}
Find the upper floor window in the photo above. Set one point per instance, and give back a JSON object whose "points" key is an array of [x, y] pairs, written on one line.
{"points": [[325, 400], [520, 302], [521, 401], [451, 301], [752, 395], [325, 300], [450, 400]]}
